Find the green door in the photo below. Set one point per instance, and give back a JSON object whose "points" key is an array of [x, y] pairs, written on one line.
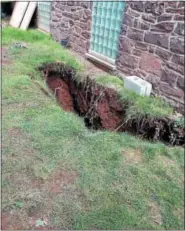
{"points": [[44, 15], [106, 28]]}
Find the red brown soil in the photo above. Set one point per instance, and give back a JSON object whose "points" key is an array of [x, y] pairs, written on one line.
{"points": [[56, 181], [100, 106], [14, 222], [10, 222], [59, 179], [61, 90], [109, 111]]}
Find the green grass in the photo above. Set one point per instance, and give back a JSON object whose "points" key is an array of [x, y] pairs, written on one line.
{"points": [[119, 175], [51, 51], [138, 106], [10, 34], [110, 80]]}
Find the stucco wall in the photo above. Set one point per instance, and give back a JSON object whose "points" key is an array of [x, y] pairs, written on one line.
{"points": [[151, 43]]}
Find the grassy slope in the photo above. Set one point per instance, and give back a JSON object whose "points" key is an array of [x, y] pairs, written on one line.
{"points": [[123, 182], [138, 105]]}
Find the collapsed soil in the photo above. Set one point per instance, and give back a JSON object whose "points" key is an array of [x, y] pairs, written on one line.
{"points": [[101, 108]]}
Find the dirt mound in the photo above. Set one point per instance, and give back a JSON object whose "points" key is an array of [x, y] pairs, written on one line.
{"points": [[101, 108]]}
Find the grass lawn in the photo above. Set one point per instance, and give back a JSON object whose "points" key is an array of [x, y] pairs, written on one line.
{"points": [[57, 171]]}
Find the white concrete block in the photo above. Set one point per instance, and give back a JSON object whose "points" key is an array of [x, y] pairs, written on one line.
{"points": [[138, 85]]}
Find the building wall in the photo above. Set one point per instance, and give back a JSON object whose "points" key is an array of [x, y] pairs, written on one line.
{"points": [[72, 19], [151, 42], [152, 46]]}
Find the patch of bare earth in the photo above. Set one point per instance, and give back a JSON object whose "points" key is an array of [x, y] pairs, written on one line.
{"points": [[14, 131], [132, 156], [59, 190], [91, 69], [59, 179], [154, 213], [42, 192], [10, 222], [13, 221]]}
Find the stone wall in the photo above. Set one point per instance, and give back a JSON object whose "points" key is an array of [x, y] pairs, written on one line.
{"points": [[72, 19], [152, 46], [151, 42]]}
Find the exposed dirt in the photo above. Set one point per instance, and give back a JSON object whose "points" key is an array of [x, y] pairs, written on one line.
{"points": [[14, 222], [98, 105], [59, 179], [14, 132], [101, 109], [5, 222], [91, 68], [61, 91], [132, 156]]}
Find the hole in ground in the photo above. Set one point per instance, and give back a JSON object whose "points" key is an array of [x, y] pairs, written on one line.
{"points": [[101, 108]]}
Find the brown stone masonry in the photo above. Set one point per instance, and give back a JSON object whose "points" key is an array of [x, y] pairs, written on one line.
{"points": [[151, 43], [152, 46], [72, 19]]}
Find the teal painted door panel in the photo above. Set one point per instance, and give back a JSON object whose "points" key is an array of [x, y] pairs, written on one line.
{"points": [[106, 27], [44, 15]]}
